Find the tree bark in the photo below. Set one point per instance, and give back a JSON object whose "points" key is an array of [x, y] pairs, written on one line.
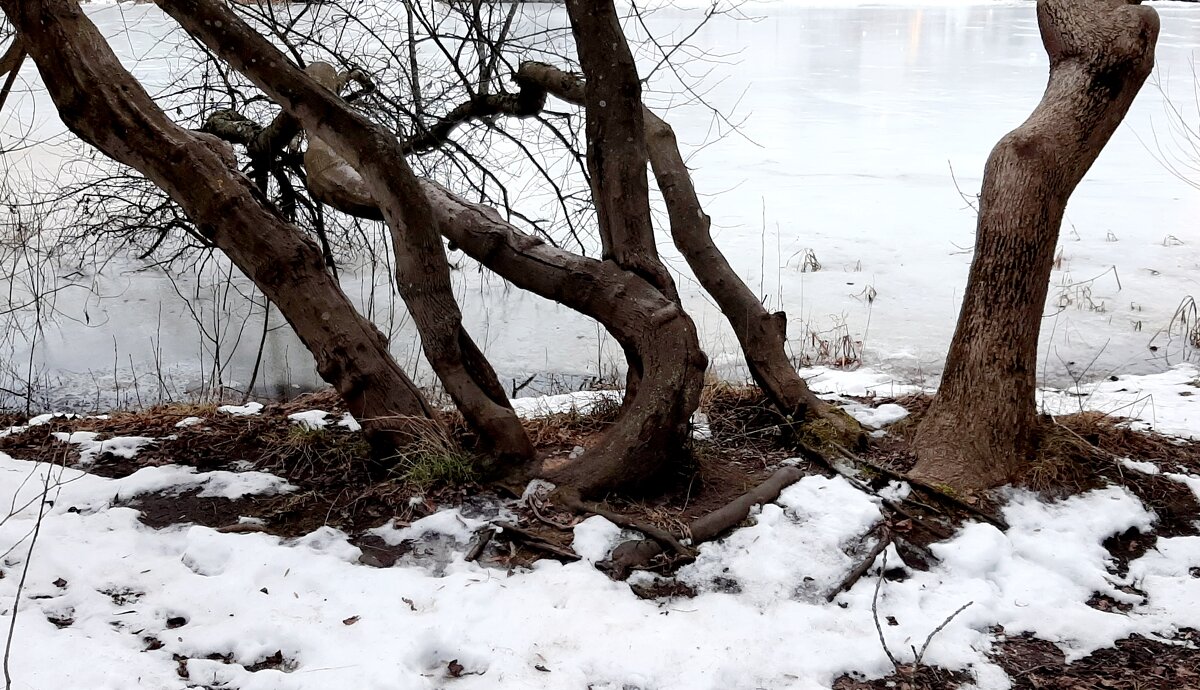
{"points": [[422, 271], [616, 141], [102, 103], [980, 431]]}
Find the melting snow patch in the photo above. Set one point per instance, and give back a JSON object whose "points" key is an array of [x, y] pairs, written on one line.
{"points": [[199, 592], [188, 421], [89, 448], [348, 421], [595, 538], [311, 420], [1143, 467], [1192, 482], [875, 417], [580, 401], [248, 410]]}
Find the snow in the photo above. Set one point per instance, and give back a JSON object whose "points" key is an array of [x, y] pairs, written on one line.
{"points": [[579, 401], [1143, 467], [876, 417], [250, 409], [90, 448], [311, 420], [339, 623], [250, 595], [189, 421], [349, 422], [1168, 402], [595, 538]]}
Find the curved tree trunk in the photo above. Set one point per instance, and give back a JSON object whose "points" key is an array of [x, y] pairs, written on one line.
{"points": [[980, 430], [422, 271], [652, 428], [762, 335], [637, 315], [645, 437], [102, 103]]}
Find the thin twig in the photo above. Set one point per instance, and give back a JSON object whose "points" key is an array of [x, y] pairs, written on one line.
{"points": [[537, 542], [12, 624], [875, 614], [937, 630], [482, 538]]}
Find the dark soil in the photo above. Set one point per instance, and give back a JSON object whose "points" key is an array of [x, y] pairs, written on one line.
{"points": [[1137, 663]]}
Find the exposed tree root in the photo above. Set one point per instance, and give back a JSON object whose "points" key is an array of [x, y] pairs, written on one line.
{"points": [[636, 555], [885, 539], [532, 540], [571, 499]]}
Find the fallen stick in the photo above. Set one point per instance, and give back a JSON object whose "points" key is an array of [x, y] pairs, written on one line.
{"points": [[482, 538], [572, 500], [641, 553], [861, 569], [537, 542]]}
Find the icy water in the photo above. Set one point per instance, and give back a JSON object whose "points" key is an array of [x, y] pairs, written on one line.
{"points": [[859, 127]]}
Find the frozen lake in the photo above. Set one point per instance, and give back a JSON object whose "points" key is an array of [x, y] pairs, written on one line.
{"points": [[852, 119]]}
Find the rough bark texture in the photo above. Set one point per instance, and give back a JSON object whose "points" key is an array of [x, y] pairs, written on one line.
{"points": [[422, 271], [102, 103], [980, 430], [762, 335], [616, 141]]}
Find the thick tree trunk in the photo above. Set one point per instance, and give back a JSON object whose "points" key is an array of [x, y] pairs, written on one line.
{"points": [[980, 430], [106, 107], [762, 335], [422, 271], [616, 141]]}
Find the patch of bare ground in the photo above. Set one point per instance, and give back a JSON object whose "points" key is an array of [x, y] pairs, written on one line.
{"points": [[339, 486], [908, 678], [1136, 663]]}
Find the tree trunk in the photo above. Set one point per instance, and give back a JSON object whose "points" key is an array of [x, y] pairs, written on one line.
{"points": [[647, 435], [980, 431], [102, 103], [616, 142], [422, 271]]}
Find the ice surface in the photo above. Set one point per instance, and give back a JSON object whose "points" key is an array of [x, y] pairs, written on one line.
{"points": [[854, 113]]}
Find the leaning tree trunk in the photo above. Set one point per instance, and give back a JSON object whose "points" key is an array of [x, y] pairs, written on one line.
{"points": [[652, 428], [761, 334], [981, 429], [422, 271], [102, 103]]}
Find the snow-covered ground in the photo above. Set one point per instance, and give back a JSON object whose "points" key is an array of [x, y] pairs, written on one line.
{"points": [[853, 115], [107, 602]]}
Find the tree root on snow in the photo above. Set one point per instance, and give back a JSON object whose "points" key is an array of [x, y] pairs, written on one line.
{"points": [[640, 554]]}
